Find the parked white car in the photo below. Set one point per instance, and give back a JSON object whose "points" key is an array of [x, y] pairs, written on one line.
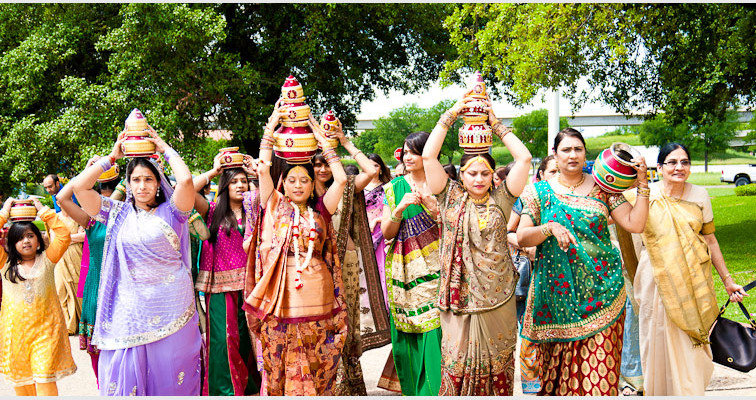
{"points": [[738, 174]]}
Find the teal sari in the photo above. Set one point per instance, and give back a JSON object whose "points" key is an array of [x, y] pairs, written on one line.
{"points": [[578, 293]]}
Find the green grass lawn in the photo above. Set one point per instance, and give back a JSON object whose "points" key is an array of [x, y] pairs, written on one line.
{"points": [[706, 178], [735, 220]]}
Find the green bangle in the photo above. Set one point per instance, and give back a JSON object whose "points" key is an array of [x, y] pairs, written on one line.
{"points": [[395, 219]]}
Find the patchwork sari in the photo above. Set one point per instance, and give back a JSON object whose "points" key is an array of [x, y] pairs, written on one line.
{"points": [[576, 298], [478, 279], [412, 275]]}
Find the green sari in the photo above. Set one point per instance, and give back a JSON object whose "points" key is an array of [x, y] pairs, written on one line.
{"points": [[575, 294], [412, 275]]}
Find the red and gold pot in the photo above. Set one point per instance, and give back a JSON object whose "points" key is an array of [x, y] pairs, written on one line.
{"points": [[475, 139], [330, 123], [231, 158], [23, 211]]}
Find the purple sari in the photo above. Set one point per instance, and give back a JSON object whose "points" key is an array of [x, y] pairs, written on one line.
{"points": [[146, 325], [374, 206]]}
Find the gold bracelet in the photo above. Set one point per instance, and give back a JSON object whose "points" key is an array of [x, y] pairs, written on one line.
{"points": [[395, 219], [447, 119], [501, 130], [724, 279], [545, 230], [644, 191]]}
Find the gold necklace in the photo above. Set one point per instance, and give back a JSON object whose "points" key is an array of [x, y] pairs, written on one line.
{"points": [[482, 222], [571, 188], [482, 200]]}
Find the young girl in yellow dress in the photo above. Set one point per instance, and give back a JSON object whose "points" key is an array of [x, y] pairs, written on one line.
{"points": [[34, 347]]}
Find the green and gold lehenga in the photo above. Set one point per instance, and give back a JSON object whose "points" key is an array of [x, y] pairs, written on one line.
{"points": [[412, 275], [576, 298]]}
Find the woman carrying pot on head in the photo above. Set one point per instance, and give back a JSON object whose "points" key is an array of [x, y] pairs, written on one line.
{"points": [[297, 299], [366, 315], [91, 258], [673, 284], [412, 273], [576, 300], [146, 307], [477, 283], [230, 366]]}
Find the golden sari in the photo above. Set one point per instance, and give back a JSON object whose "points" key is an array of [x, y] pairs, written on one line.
{"points": [[675, 293]]}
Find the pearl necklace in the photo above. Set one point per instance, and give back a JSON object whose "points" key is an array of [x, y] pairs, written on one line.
{"points": [[310, 246]]}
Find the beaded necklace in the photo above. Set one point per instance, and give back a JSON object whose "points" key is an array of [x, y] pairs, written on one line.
{"points": [[296, 229]]}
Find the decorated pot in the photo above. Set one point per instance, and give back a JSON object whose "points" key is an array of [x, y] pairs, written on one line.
{"points": [[23, 210], [613, 169], [292, 91], [330, 123], [296, 145], [109, 175], [475, 139], [477, 87], [296, 113], [136, 143], [231, 158]]}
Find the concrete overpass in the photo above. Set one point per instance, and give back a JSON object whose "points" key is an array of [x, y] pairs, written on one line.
{"points": [[577, 120]]}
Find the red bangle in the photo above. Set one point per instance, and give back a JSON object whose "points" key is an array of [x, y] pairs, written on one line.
{"points": [[112, 159]]}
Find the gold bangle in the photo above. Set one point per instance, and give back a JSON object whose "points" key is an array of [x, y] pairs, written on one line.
{"points": [[395, 219], [644, 192], [545, 230], [724, 279], [501, 130]]}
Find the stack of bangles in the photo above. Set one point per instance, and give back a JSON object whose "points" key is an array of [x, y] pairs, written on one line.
{"points": [[447, 120], [330, 156], [267, 141], [545, 230], [501, 130], [644, 191]]}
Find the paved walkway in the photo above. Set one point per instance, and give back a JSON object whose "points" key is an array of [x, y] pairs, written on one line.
{"points": [[725, 381]]}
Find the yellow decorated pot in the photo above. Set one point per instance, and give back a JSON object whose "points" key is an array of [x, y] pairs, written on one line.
{"points": [[231, 158], [475, 139], [109, 175], [23, 211], [296, 113], [330, 123]]}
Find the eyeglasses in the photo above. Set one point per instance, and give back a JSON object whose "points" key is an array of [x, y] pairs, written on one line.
{"points": [[673, 163]]}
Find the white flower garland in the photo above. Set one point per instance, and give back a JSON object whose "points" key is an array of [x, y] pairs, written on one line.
{"points": [[310, 246]]}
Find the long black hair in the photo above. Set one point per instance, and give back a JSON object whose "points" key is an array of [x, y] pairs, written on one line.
{"points": [[416, 143], [384, 175], [223, 216], [312, 201], [109, 185], [16, 234], [318, 158], [145, 162]]}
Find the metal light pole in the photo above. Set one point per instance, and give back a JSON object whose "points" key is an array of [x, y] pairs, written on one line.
{"points": [[553, 120]]}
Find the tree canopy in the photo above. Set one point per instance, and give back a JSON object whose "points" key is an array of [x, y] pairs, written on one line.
{"points": [[70, 73], [691, 61], [533, 129]]}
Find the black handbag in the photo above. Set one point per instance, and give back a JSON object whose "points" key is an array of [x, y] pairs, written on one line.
{"points": [[732, 343], [522, 264]]}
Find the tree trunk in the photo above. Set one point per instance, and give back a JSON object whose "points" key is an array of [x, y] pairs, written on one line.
{"points": [[706, 160]]}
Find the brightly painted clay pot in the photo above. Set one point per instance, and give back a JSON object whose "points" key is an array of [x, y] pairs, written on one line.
{"points": [[477, 87], [613, 169], [292, 91], [231, 158], [296, 145], [109, 175], [474, 113], [136, 144], [23, 210], [296, 113], [475, 139], [330, 123]]}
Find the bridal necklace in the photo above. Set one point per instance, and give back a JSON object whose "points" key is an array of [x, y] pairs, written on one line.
{"points": [[295, 233]]}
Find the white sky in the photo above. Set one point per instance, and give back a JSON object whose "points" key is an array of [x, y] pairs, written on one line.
{"points": [[382, 105]]}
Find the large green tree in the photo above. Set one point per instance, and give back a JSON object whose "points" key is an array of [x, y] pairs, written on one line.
{"points": [[699, 138], [691, 61], [70, 73]]}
